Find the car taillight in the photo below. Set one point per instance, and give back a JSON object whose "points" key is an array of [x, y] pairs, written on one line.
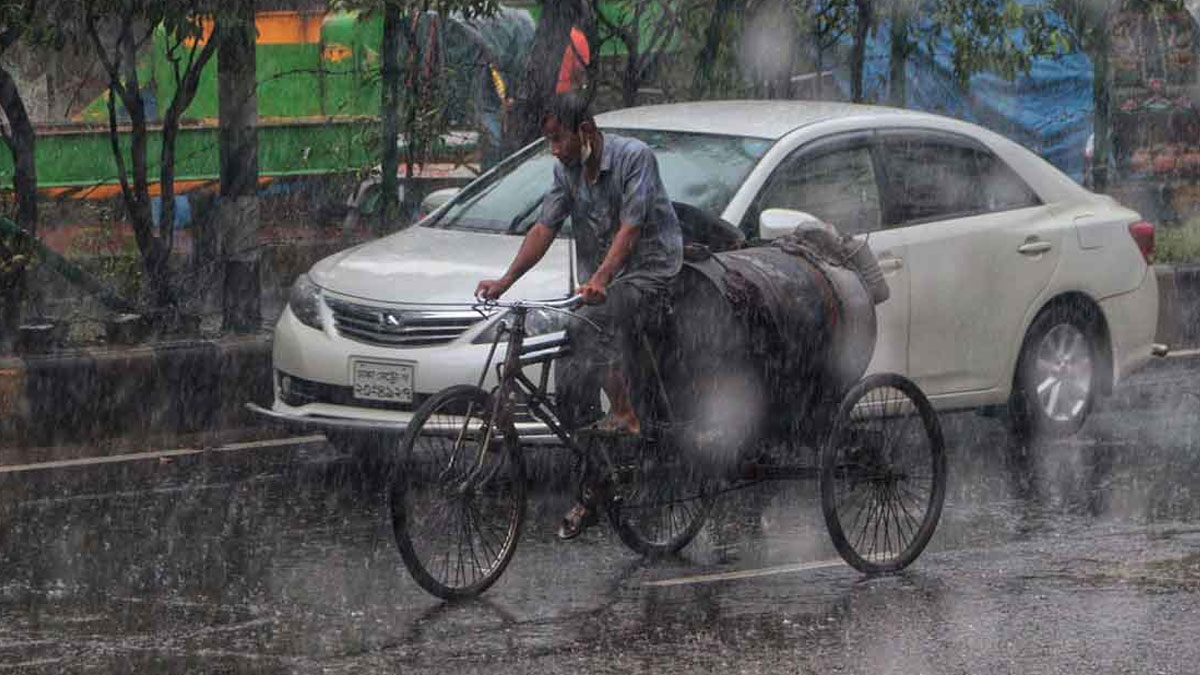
{"points": [[1143, 235]]}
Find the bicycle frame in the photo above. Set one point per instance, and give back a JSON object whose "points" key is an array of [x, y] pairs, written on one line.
{"points": [[519, 355]]}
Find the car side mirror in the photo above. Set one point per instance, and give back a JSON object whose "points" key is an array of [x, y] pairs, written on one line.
{"points": [[776, 223], [434, 200]]}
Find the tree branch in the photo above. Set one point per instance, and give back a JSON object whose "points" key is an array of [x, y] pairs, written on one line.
{"points": [[114, 137], [111, 66], [666, 27]]}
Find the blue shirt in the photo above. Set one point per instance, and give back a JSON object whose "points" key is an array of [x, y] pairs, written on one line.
{"points": [[628, 190]]}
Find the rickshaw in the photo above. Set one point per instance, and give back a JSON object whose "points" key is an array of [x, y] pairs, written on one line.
{"points": [[756, 348]]}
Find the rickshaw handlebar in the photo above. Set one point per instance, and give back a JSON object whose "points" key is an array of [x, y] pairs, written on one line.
{"points": [[564, 304]]}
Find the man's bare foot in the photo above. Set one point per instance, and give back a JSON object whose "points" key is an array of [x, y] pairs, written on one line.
{"points": [[628, 423], [617, 424]]}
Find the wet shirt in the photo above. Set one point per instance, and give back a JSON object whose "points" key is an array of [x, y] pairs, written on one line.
{"points": [[627, 190]]}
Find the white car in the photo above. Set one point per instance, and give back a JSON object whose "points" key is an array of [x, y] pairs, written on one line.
{"points": [[1011, 285]]}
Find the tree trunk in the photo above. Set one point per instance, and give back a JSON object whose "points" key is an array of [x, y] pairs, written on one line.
{"points": [[631, 79], [898, 62], [1102, 121], [238, 205], [536, 89], [714, 35], [389, 111], [862, 28], [21, 145], [155, 252], [422, 79], [166, 180], [185, 93], [123, 86]]}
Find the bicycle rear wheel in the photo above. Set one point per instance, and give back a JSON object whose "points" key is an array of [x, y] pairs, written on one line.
{"points": [[883, 474], [457, 496], [659, 501]]}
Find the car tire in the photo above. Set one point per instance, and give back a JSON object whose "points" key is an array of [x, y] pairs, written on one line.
{"points": [[1058, 373]]}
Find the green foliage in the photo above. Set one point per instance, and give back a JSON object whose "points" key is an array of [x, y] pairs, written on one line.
{"points": [[112, 259], [1179, 244], [725, 78], [17, 253], [999, 36], [466, 8]]}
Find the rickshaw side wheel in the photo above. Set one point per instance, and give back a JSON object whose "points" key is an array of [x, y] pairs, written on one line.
{"points": [[457, 501], [658, 501], [883, 474]]}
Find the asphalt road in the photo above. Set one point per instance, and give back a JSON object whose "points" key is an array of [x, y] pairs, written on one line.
{"points": [[1081, 556]]}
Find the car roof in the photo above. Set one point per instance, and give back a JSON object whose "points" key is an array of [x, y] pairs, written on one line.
{"points": [[772, 120], [759, 119]]}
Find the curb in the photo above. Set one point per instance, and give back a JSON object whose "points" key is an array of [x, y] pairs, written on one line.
{"points": [[1179, 304], [87, 396]]}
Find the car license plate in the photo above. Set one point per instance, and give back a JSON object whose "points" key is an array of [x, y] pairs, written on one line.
{"points": [[382, 381]]}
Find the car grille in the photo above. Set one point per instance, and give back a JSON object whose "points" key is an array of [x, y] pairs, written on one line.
{"points": [[300, 392], [388, 327]]}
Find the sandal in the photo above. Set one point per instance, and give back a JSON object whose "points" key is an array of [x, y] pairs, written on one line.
{"points": [[583, 514], [579, 518]]}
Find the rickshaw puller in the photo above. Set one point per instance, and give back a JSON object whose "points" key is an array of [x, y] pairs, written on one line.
{"points": [[629, 248]]}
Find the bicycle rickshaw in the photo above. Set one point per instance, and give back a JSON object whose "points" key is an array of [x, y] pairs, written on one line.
{"points": [[458, 491]]}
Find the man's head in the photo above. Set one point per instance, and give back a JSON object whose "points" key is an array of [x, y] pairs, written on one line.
{"points": [[569, 128]]}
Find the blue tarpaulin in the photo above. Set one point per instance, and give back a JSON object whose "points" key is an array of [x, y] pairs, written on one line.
{"points": [[1049, 110]]}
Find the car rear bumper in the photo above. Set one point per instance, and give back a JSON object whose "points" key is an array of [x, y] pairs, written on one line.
{"points": [[1133, 327]]}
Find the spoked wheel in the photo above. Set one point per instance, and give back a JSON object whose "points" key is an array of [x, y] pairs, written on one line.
{"points": [[458, 494], [883, 474], [659, 501]]}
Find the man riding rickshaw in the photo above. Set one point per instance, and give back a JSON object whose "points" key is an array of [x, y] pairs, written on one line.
{"points": [[630, 248]]}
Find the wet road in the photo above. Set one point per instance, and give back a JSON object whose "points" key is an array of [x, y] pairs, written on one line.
{"points": [[1079, 556]]}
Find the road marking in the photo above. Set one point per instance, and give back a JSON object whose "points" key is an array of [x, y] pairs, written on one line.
{"points": [[746, 574], [162, 454]]}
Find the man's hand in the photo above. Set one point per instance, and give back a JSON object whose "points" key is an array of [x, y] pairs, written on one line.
{"points": [[490, 289], [593, 292]]}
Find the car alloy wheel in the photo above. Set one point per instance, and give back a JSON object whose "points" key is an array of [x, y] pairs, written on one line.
{"points": [[1062, 373], [1057, 373]]}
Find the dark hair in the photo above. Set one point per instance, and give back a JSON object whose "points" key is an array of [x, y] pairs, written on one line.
{"points": [[571, 109]]}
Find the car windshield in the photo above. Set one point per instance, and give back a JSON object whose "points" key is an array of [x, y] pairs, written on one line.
{"points": [[702, 170]]}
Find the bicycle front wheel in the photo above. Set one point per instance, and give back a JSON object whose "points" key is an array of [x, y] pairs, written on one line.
{"points": [[458, 495], [883, 474]]}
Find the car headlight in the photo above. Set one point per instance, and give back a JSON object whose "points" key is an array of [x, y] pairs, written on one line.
{"points": [[305, 301], [537, 322]]}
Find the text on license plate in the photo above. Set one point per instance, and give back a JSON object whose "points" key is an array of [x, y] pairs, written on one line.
{"points": [[378, 381]]}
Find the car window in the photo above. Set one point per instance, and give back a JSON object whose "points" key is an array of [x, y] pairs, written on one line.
{"points": [[934, 179], [838, 187], [699, 169], [502, 202], [930, 180], [1002, 188]]}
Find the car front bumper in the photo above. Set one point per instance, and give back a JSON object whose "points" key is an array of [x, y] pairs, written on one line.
{"points": [[321, 360]]}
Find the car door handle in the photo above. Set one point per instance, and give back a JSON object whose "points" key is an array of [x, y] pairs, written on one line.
{"points": [[1034, 247], [890, 264]]}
